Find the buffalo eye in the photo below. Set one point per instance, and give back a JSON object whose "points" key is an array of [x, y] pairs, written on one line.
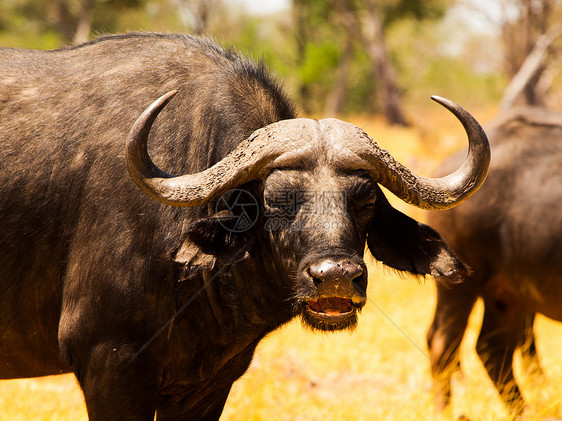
{"points": [[271, 202], [366, 203], [363, 192], [369, 206], [282, 202]]}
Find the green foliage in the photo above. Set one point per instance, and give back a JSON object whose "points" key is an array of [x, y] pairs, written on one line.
{"points": [[395, 10], [24, 24], [306, 45], [43, 41], [451, 78], [323, 33], [361, 86], [52, 23], [320, 59]]}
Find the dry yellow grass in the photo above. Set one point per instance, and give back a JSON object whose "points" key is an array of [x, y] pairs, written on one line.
{"points": [[378, 372], [381, 371]]}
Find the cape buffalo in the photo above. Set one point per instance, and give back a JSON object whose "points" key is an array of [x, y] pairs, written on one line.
{"points": [[156, 297], [510, 233]]}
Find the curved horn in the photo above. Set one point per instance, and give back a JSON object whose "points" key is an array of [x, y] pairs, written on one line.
{"points": [[436, 193], [243, 164]]}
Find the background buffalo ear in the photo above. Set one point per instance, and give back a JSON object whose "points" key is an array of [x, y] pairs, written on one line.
{"points": [[404, 244], [209, 240]]}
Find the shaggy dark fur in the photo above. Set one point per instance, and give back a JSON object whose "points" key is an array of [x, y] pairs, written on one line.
{"points": [[159, 308]]}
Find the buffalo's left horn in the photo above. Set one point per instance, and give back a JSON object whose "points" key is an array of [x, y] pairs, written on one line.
{"points": [[435, 193], [240, 166]]}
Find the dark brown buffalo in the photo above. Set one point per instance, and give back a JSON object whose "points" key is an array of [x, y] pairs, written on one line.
{"points": [[156, 297], [510, 234]]}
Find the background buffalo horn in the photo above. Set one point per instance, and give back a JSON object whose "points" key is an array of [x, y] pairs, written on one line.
{"points": [[434, 193], [242, 165]]}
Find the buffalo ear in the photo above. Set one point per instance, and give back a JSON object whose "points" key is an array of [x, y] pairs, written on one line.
{"points": [[188, 253], [209, 240], [402, 243]]}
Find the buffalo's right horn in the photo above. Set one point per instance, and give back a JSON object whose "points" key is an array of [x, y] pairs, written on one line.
{"points": [[434, 193]]}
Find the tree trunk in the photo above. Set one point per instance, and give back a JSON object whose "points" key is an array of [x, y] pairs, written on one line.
{"points": [[63, 20], [301, 36], [375, 44], [336, 99], [527, 48], [528, 79], [200, 10], [84, 26]]}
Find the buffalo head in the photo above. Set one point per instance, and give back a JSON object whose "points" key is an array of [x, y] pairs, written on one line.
{"points": [[318, 201]]}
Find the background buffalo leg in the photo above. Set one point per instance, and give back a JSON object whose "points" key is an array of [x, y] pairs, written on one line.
{"points": [[454, 304]]}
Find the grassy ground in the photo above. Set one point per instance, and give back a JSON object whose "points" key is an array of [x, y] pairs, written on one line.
{"points": [[381, 371], [378, 372]]}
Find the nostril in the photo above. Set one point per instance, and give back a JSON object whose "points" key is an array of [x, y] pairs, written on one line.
{"points": [[358, 271], [321, 269], [315, 275], [352, 270]]}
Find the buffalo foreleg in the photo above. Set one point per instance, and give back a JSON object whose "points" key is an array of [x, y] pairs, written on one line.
{"points": [[117, 385], [207, 409]]}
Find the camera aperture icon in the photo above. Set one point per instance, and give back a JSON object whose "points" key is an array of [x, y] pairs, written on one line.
{"points": [[243, 209]]}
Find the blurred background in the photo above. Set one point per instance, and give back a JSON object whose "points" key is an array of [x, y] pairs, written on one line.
{"points": [[339, 57], [373, 63]]}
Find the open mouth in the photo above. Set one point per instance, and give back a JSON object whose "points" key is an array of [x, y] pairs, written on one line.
{"points": [[330, 313], [331, 307]]}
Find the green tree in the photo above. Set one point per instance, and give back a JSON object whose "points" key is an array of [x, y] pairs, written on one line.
{"points": [[51, 23], [350, 34]]}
